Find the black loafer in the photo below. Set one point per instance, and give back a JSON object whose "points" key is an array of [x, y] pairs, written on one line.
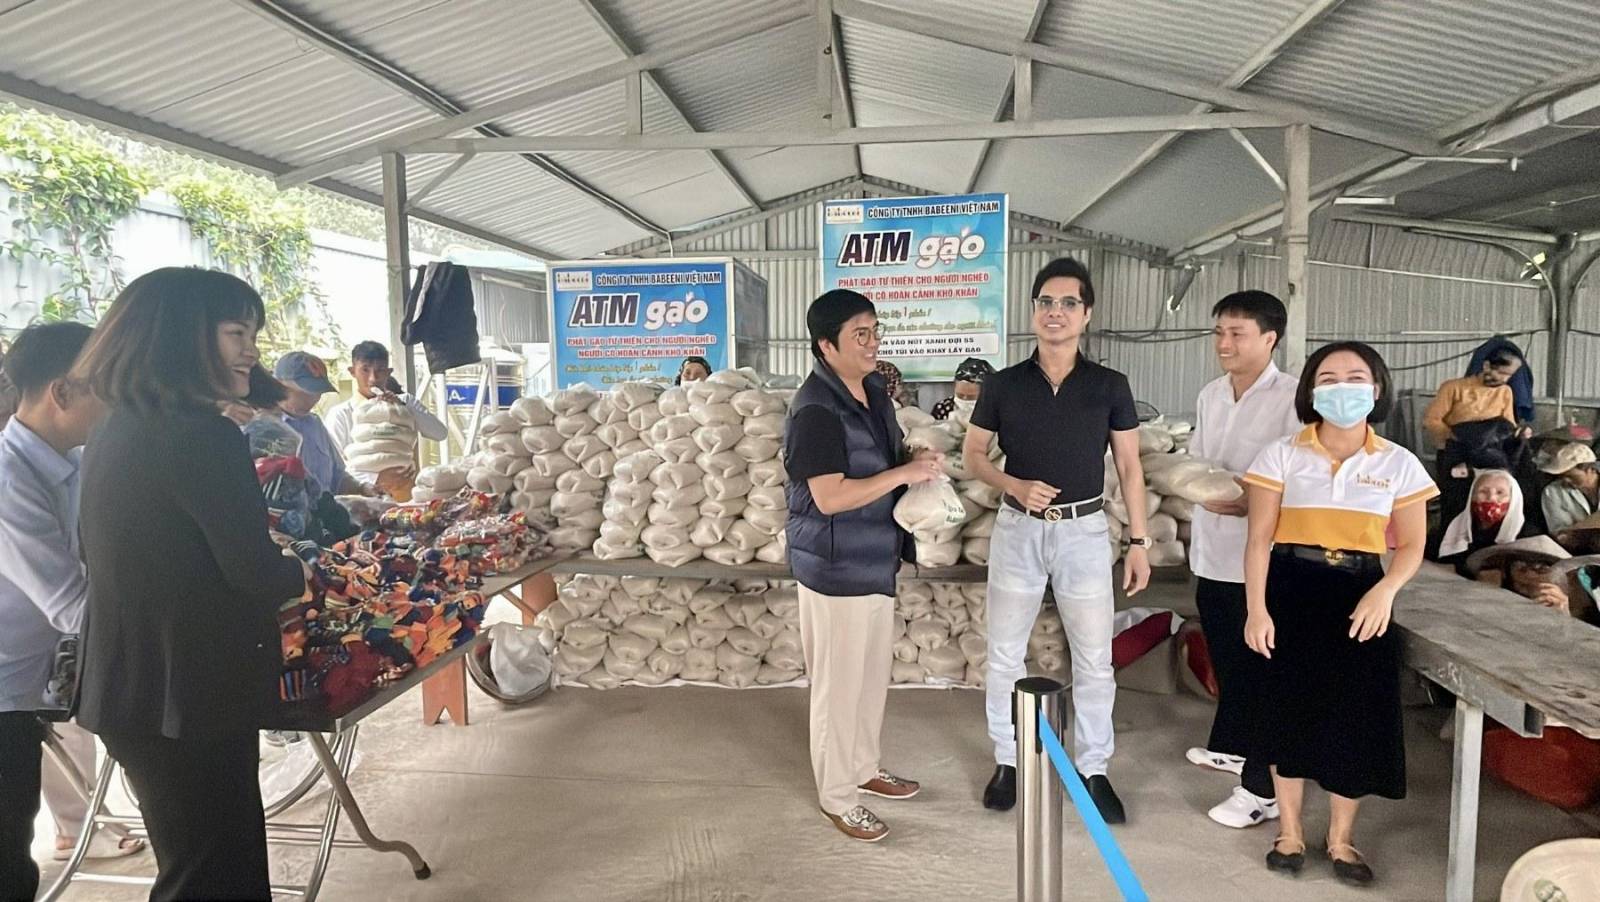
{"points": [[1355, 873], [1001, 793], [1289, 863], [1105, 799]]}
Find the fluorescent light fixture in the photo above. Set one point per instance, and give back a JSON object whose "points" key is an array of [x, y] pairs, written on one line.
{"points": [[1364, 201]]}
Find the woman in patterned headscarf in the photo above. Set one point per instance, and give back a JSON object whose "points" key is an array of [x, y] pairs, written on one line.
{"points": [[969, 375], [891, 374]]}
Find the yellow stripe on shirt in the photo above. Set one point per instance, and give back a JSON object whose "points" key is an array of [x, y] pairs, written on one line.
{"points": [[1332, 527]]}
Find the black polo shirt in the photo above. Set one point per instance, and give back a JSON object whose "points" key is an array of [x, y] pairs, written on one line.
{"points": [[1057, 437]]}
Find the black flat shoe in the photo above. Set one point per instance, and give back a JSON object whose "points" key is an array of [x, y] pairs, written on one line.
{"points": [[1001, 793], [1105, 799], [1287, 862], [1355, 873]]}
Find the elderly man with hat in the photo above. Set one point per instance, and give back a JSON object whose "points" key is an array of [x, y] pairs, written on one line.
{"points": [[969, 376], [306, 378], [1575, 494], [1524, 567]]}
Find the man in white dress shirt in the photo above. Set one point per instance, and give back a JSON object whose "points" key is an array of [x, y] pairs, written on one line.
{"points": [[369, 365], [1249, 407]]}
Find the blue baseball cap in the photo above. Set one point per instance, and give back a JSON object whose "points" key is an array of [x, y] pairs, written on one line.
{"points": [[305, 372]]}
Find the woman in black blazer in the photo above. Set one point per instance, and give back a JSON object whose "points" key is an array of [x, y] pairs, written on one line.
{"points": [[180, 647]]}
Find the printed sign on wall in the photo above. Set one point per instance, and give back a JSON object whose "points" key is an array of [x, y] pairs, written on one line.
{"points": [[935, 267]]}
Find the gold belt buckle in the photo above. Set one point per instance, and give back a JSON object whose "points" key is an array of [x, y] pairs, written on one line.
{"points": [[1052, 514], [1333, 556]]}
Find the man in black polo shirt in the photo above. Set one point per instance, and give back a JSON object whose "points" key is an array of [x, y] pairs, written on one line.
{"points": [[1055, 414], [843, 451]]}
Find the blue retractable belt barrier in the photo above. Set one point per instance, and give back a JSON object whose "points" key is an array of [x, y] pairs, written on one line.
{"points": [[1117, 863]]}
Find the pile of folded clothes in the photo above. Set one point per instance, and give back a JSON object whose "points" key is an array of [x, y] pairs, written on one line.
{"points": [[396, 597]]}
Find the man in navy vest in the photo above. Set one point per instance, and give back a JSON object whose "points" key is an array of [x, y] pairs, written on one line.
{"points": [[843, 452]]}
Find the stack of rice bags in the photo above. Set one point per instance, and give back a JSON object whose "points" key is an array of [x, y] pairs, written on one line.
{"points": [[441, 481], [568, 452], [383, 437], [968, 541], [1174, 483], [605, 631]]}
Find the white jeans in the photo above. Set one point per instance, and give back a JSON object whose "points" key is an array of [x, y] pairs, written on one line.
{"points": [[1074, 557]]}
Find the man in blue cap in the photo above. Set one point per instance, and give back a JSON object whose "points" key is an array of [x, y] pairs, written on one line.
{"points": [[306, 378]]}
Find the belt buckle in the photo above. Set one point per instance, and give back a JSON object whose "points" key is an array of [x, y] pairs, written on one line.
{"points": [[1333, 556], [1052, 514]]}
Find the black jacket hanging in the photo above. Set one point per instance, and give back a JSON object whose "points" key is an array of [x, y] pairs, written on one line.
{"points": [[440, 315]]}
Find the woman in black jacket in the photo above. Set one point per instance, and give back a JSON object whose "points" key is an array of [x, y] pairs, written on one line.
{"points": [[180, 648]]}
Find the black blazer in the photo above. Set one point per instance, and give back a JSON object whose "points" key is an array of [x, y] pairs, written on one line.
{"points": [[180, 637]]}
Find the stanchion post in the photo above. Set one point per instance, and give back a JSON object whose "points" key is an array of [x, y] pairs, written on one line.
{"points": [[1036, 704]]}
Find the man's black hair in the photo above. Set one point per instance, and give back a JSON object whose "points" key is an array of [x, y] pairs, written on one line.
{"points": [[1261, 306], [1065, 267], [1501, 357], [828, 314], [369, 352], [42, 354]]}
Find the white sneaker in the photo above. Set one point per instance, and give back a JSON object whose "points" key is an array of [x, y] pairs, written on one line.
{"points": [[1244, 809], [1232, 764]]}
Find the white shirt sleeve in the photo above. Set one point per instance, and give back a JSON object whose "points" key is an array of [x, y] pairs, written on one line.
{"points": [[340, 422], [428, 426], [1415, 484], [36, 556], [1269, 467]]}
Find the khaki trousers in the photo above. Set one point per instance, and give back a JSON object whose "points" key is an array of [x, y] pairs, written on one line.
{"points": [[848, 643]]}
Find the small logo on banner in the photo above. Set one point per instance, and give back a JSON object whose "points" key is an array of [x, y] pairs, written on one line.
{"points": [[574, 280], [844, 214]]}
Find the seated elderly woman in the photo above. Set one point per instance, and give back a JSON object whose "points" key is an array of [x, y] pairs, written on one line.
{"points": [[1538, 569], [1493, 516]]}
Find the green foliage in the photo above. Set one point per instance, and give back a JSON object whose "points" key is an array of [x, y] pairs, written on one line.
{"points": [[67, 193], [261, 235]]}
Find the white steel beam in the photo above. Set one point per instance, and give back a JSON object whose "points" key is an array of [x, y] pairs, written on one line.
{"points": [[1022, 89], [383, 70], [890, 134], [1254, 152], [846, 96], [444, 176], [1450, 226], [397, 258], [1006, 98], [1078, 59], [826, 68], [1296, 240], [646, 77], [1247, 70], [707, 39], [778, 208]]}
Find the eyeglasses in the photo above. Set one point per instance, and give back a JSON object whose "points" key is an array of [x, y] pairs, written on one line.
{"points": [[865, 336], [1065, 305]]}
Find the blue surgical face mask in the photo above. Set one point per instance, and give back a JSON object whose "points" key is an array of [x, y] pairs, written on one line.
{"points": [[1344, 404]]}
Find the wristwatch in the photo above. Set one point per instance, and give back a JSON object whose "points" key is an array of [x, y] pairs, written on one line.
{"points": [[1141, 542]]}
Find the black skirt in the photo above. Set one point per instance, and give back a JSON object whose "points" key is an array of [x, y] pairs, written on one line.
{"points": [[1332, 713]]}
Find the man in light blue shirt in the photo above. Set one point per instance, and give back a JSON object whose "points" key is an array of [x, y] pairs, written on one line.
{"points": [[306, 377], [43, 586]]}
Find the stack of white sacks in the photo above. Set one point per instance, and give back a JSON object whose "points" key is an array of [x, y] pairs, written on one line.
{"points": [[384, 437], [941, 542], [605, 631], [1174, 483]]}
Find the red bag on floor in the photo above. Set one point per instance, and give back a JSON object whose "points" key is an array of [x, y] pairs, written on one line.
{"points": [[1561, 767]]}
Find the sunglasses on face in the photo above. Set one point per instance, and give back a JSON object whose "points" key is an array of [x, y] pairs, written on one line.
{"points": [[1065, 305]]}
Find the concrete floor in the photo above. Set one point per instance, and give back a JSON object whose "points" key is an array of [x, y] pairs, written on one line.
{"points": [[705, 795]]}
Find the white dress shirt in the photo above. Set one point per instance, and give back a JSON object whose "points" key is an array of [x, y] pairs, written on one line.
{"points": [[1230, 434], [43, 586], [341, 421]]}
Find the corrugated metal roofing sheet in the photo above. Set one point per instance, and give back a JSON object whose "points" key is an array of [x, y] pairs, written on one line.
{"points": [[1420, 65]]}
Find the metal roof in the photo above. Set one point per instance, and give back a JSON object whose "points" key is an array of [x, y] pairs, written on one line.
{"points": [[281, 84]]}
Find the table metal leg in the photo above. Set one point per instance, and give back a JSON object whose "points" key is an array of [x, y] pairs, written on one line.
{"points": [[1464, 784], [336, 770], [97, 801]]}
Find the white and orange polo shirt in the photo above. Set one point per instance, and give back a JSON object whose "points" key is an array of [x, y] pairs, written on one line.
{"points": [[1344, 506]]}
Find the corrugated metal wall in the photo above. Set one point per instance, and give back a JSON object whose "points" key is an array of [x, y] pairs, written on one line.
{"points": [[1424, 319], [1583, 352]]}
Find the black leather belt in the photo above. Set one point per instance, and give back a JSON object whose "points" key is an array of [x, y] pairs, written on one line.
{"points": [[1355, 561], [1058, 512]]}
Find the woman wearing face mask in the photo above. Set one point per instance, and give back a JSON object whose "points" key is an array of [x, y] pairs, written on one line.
{"points": [[969, 376], [181, 650], [1319, 601], [1494, 516]]}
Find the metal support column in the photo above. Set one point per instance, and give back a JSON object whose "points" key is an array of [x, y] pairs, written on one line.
{"points": [[1463, 850], [1296, 239], [1563, 297], [1037, 703], [396, 235]]}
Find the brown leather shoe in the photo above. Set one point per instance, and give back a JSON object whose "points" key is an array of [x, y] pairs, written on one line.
{"points": [[888, 786], [859, 823]]}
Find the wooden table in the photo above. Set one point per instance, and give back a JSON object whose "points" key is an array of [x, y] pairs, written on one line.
{"points": [[1501, 654]]}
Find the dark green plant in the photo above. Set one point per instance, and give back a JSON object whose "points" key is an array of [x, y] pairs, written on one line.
{"points": [[66, 195]]}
